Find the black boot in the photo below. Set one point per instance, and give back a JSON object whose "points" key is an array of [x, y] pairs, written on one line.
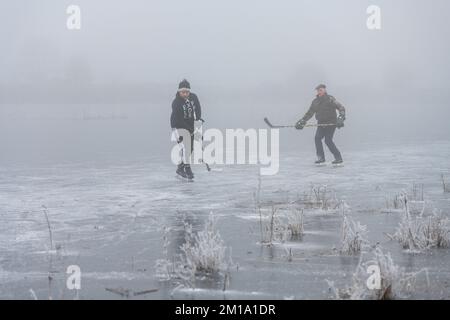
{"points": [[180, 171], [188, 171], [320, 161], [338, 161]]}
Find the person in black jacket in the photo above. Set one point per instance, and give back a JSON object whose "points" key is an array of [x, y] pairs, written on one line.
{"points": [[185, 110], [324, 106]]}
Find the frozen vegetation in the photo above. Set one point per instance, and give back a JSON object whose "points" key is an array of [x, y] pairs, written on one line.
{"points": [[138, 234], [392, 283], [202, 253], [421, 232], [353, 236]]}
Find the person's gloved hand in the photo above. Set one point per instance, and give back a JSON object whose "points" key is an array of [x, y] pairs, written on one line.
{"points": [[300, 124], [176, 136], [340, 121]]}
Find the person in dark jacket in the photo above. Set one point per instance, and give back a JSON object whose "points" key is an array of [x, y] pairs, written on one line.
{"points": [[324, 107], [185, 110]]}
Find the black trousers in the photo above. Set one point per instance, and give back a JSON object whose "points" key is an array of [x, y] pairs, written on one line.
{"points": [[187, 154], [327, 133]]}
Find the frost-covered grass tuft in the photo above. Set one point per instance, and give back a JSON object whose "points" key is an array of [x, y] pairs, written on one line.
{"points": [[416, 199], [353, 236], [165, 268], [436, 231], [417, 233], [271, 228], [281, 225], [409, 232], [414, 196], [319, 197], [203, 253], [270, 225], [295, 224], [377, 279], [395, 203], [417, 192]]}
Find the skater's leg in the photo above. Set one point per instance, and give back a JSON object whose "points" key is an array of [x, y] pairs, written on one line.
{"points": [[330, 143], [320, 133], [180, 167], [188, 147], [180, 170]]}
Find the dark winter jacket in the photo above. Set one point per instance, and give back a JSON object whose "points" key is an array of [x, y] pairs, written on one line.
{"points": [[185, 112], [325, 110]]}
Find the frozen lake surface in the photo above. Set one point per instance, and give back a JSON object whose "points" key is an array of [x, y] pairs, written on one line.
{"points": [[108, 218]]}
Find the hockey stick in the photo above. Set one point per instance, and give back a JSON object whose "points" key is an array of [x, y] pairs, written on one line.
{"points": [[203, 149], [208, 167], [308, 125]]}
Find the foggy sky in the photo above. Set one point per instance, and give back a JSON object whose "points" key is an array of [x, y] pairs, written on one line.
{"points": [[225, 43], [251, 57]]}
